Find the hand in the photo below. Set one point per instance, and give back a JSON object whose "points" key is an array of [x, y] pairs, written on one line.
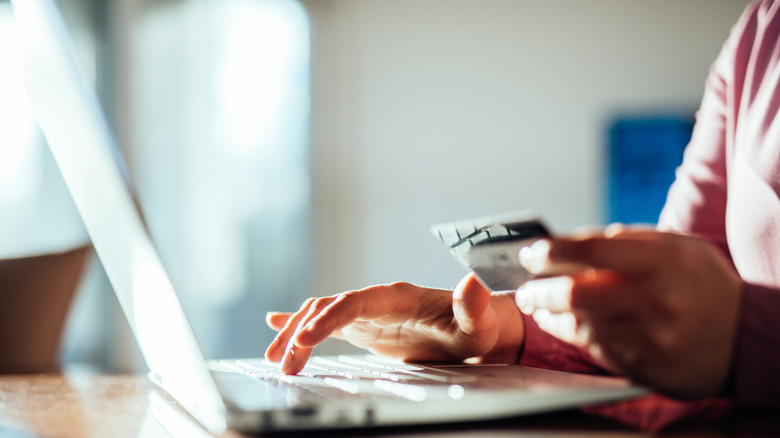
{"points": [[660, 308], [403, 321]]}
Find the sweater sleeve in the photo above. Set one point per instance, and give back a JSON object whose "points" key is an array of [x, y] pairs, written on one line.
{"points": [[697, 203]]}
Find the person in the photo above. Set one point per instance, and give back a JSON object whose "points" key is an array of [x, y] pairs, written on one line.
{"points": [[44, 247], [688, 308], [37, 292], [44, 252]]}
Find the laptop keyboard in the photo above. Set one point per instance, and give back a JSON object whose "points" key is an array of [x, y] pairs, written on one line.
{"points": [[349, 377]]}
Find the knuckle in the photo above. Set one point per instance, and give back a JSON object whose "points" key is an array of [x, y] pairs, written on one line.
{"points": [[394, 287], [400, 284], [307, 303], [320, 303], [349, 295], [665, 343]]}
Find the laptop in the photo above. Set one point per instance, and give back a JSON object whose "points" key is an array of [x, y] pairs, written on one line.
{"points": [[249, 395]]}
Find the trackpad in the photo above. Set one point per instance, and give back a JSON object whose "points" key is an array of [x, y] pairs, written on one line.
{"points": [[256, 394]]}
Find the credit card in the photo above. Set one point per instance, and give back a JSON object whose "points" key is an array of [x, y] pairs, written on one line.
{"points": [[490, 246]]}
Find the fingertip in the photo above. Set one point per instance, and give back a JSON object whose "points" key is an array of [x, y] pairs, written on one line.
{"points": [[294, 360], [276, 320], [525, 300], [467, 285], [286, 363], [534, 258], [469, 301], [615, 229], [272, 352]]}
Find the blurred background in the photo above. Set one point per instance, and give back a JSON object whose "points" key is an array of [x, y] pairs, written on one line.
{"points": [[283, 149]]}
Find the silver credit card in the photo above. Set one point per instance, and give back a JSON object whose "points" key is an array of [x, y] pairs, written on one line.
{"points": [[490, 246]]}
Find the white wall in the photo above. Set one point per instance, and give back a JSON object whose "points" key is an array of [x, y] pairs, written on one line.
{"points": [[425, 111], [436, 110]]}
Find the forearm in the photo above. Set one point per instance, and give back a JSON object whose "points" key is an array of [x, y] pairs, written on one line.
{"points": [[35, 296]]}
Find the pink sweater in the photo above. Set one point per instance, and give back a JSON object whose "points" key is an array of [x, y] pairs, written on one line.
{"points": [[728, 191]]}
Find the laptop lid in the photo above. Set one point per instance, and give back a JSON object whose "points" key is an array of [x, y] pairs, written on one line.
{"points": [[86, 153]]}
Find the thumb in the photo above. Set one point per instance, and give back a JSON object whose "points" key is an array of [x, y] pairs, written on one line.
{"points": [[470, 301]]}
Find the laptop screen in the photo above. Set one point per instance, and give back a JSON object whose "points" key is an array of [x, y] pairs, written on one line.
{"points": [[84, 149]]}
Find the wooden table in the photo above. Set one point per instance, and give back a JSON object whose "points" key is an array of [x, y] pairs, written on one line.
{"points": [[80, 405], [74, 405]]}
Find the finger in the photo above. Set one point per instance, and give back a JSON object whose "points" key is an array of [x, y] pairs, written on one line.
{"points": [[470, 301], [317, 308], [390, 303], [277, 320], [618, 247], [612, 230], [294, 359], [552, 294], [536, 260], [343, 311], [296, 355], [622, 230], [628, 253], [564, 326], [276, 350], [599, 294], [592, 292]]}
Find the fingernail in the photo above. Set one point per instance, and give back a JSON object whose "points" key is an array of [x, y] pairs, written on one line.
{"points": [[534, 257], [614, 229], [457, 293], [525, 300]]}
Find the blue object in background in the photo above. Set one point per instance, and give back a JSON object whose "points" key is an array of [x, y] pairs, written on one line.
{"points": [[643, 156]]}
